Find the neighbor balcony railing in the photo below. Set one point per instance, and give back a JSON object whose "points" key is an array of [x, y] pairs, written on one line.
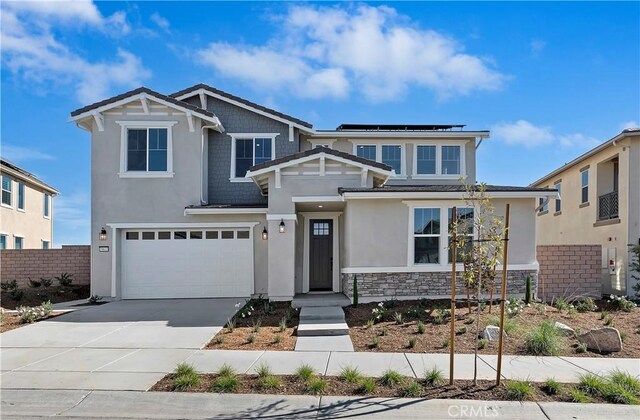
{"points": [[608, 206]]}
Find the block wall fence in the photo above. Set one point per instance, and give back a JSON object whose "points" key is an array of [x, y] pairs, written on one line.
{"points": [[20, 264], [569, 270]]}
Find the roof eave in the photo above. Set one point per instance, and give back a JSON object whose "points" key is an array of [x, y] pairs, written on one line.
{"points": [[403, 134], [362, 195]]}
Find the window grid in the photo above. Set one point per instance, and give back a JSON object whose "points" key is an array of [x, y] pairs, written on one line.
{"points": [[585, 186], [426, 232], [320, 228], [426, 160], [3, 241], [7, 190], [450, 160], [20, 196], [18, 242], [392, 156], [147, 149], [251, 151]]}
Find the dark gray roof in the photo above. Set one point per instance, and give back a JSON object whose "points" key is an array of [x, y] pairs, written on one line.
{"points": [[229, 206], [443, 188], [316, 151], [242, 101], [135, 92], [26, 174]]}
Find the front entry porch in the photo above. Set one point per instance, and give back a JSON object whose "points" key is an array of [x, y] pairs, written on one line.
{"points": [[320, 300]]}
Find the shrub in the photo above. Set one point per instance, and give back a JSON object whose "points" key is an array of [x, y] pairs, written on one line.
{"points": [[608, 321], [552, 387], [411, 389], [184, 369], [625, 380], [251, 338], [397, 317], [255, 326], [370, 323], [440, 315], [375, 343], [16, 294], [412, 342], [445, 342], [482, 343], [518, 390], [94, 299], [544, 340], [577, 396], [46, 282], [65, 279], [433, 376], [269, 382], [231, 325], [277, 339], [591, 384], [263, 370], [513, 307], [581, 348], [350, 374], [603, 315], [422, 328], [186, 381], [469, 321], [34, 283], [586, 305], [316, 386], [561, 304], [527, 293], [383, 331], [9, 285], [510, 325], [226, 384], [379, 312], [282, 326], [621, 303], [461, 330], [304, 372], [29, 314], [246, 310], [390, 303], [226, 370], [415, 312], [367, 386], [617, 394], [391, 378]]}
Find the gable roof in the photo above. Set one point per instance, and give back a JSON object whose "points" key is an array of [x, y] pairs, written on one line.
{"points": [[316, 151], [444, 191], [193, 90], [18, 171], [117, 100]]}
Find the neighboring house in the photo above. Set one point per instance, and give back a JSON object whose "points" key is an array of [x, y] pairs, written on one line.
{"points": [[26, 213], [599, 204], [202, 194]]}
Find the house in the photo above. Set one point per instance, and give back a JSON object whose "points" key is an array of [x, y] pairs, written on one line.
{"points": [[202, 193], [26, 211], [599, 205]]}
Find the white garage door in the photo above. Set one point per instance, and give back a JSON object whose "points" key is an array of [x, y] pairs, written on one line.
{"points": [[185, 263]]}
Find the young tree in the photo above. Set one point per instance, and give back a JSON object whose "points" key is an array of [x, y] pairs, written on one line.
{"points": [[634, 265]]}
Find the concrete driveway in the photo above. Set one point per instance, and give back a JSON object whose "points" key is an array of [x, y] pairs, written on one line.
{"points": [[124, 345]]}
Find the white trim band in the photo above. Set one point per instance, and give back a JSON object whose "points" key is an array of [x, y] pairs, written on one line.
{"points": [[431, 268], [237, 210]]}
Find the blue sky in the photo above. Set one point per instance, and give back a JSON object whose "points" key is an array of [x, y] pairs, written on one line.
{"points": [[551, 80]]}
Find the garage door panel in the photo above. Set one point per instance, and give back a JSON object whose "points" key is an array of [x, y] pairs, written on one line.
{"points": [[184, 268]]}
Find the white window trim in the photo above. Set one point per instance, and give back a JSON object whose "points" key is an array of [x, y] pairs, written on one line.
{"points": [[439, 174], [10, 205], [378, 146], [582, 186], [47, 198], [24, 197], [247, 136], [444, 234], [124, 125]]}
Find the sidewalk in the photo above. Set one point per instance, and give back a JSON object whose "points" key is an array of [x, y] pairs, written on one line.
{"points": [[20, 404], [563, 369]]}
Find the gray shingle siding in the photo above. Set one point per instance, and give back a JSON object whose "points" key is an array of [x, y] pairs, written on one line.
{"points": [[239, 120]]}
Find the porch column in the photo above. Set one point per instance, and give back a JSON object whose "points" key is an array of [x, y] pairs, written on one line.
{"points": [[281, 259]]}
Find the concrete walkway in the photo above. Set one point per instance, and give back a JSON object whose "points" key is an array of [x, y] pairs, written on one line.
{"points": [[159, 405]]}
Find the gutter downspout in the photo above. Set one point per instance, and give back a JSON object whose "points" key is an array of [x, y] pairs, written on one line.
{"points": [[202, 202]]}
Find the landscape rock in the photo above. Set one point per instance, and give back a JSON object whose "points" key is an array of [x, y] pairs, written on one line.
{"points": [[604, 339], [564, 329], [492, 333]]}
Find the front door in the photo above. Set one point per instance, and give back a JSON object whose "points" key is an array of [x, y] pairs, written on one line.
{"points": [[321, 254]]}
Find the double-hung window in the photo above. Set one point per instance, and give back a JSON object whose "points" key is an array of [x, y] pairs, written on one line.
{"points": [[18, 242], [47, 205], [251, 151], [45, 244], [438, 160], [558, 187], [20, 204], [426, 236], [7, 190], [389, 154], [3, 241], [147, 149], [584, 177], [465, 221]]}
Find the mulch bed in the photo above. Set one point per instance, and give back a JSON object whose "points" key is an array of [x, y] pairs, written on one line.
{"points": [[292, 385], [396, 338], [36, 296], [12, 321], [265, 337]]}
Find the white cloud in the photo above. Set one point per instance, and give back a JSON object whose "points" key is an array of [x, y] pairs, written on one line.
{"points": [[31, 49], [537, 45], [524, 133], [162, 22], [332, 51], [21, 154], [629, 124]]}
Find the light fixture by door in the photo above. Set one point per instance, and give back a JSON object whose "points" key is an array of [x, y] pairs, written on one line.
{"points": [[265, 234], [281, 226], [103, 234]]}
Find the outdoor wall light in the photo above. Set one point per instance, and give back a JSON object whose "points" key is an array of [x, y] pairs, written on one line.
{"points": [[281, 226], [265, 234], [103, 234]]}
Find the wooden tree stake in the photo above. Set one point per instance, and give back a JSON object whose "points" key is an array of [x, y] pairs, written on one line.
{"points": [[452, 336], [503, 292]]}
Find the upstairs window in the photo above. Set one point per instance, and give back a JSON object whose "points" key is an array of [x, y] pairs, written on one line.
{"points": [[544, 208], [47, 205], [7, 190], [20, 196], [3, 241], [450, 160], [147, 149], [426, 160], [585, 186], [251, 151], [366, 151], [18, 242], [389, 154], [558, 187], [392, 156]]}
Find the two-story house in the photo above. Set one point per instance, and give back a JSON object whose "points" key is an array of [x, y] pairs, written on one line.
{"points": [[599, 204], [26, 211], [204, 194]]}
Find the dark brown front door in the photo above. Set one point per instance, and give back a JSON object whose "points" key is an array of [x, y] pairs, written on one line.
{"points": [[320, 254]]}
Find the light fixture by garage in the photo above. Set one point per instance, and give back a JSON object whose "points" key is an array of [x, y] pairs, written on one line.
{"points": [[103, 234], [281, 226]]}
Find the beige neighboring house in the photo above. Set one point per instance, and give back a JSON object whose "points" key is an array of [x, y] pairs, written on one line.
{"points": [[599, 204], [26, 211]]}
